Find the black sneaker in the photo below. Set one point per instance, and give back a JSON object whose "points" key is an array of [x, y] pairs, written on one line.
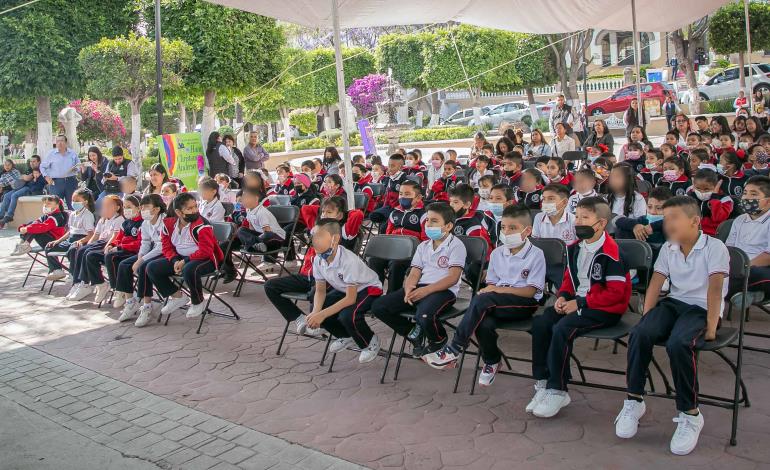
{"points": [[433, 347], [228, 275]]}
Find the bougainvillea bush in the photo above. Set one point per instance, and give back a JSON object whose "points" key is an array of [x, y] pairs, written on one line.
{"points": [[100, 122], [366, 92]]}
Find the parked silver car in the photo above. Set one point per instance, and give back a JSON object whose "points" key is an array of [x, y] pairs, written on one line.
{"points": [[464, 116], [510, 112], [724, 85]]}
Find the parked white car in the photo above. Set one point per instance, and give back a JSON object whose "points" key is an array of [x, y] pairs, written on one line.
{"points": [[724, 85], [463, 117], [513, 111]]}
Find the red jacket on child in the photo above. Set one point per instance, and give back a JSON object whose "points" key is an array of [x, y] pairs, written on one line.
{"points": [[130, 236], [202, 233], [54, 223]]}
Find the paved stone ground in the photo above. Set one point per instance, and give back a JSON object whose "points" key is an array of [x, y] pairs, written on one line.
{"points": [[231, 371]]}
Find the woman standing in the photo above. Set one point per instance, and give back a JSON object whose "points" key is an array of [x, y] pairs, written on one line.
{"points": [[633, 116], [237, 167], [600, 135], [218, 155], [92, 172]]}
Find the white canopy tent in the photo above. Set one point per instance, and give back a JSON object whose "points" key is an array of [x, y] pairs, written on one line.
{"points": [[541, 16]]}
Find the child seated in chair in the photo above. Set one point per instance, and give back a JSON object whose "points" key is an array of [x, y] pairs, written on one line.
{"points": [[697, 267], [345, 288], [190, 250], [48, 227], [80, 226], [555, 221], [431, 286], [715, 206], [594, 294], [209, 205], [515, 282]]}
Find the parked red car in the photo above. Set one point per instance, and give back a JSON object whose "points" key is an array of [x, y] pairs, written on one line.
{"points": [[621, 99]]}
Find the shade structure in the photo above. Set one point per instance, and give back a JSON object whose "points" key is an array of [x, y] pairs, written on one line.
{"points": [[526, 16]]}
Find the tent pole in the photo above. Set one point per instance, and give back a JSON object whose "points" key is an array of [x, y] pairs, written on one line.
{"points": [[343, 106], [750, 91], [636, 64]]}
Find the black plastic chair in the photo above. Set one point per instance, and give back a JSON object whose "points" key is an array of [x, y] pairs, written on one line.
{"points": [[574, 155], [643, 186], [284, 215], [378, 189], [279, 200], [361, 201], [723, 231]]}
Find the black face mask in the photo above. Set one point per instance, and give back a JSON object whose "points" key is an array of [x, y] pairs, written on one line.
{"points": [[509, 172], [356, 177], [190, 218], [299, 189], [584, 232], [460, 212]]}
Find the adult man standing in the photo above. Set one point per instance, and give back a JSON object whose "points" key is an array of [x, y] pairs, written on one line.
{"points": [[669, 107], [59, 168], [254, 154], [561, 113]]}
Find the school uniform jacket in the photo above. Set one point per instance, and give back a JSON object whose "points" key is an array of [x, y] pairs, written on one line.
{"points": [[54, 223], [202, 233], [283, 189], [492, 227], [362, 186], [733, 185], [511, 179], [566, 180], [472, 225], [392, 186], [350, 225], [652, 177], [442, 186], [714, 211], [408, 222], [531, 200], [678, 187], [609, 283], [307, 198], [130, 236]]}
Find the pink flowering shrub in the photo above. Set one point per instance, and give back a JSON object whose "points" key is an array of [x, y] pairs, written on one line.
{"points": [[366, 92], [100, 122]]}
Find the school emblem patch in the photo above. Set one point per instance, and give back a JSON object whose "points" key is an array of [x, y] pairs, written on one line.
{"points": [[458, 230], [134, 232], [398, 187], [339, 276], [525, 273], [414, 219], [535, 198], [596, 272], [738, 190], [680, 192], [443, 262]]}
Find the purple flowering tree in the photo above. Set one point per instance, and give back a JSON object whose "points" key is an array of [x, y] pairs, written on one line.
{"points": [[366, 92]]}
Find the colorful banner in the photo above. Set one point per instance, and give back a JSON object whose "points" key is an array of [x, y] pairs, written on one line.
{"points": [[367, 137], [183, 156]]}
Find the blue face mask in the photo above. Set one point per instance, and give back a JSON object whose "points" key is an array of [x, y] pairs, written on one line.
{"points": [[405, 202], [77, 205], [496, 208], [593, 158], [237, 207], [654, 218], [326, 254], [434, 233]]}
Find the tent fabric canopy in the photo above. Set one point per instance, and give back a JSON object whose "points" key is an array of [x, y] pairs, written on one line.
{"points": [[526, 16]]}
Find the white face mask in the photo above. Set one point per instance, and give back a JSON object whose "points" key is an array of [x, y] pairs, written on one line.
{"points": [[549, 208], [484, 193], [146, 214], [512, 240], [705, 196], [129, 213], [47, 210]]}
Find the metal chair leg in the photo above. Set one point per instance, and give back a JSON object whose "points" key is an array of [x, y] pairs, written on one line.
{"points": [[283, 338], [400, 357], [459, 371], [475, 373], [326, 350], [387, 358]]}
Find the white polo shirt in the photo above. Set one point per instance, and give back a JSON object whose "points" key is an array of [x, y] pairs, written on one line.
{"points": [[526, 268], [151, 245], [183, 241], [81, 222], [573, 200], [751, 236], [260, 217], [638, 209], [106, 228], [213, 210], [689, 277], [563, 229], [435, 264], [345, 270]]}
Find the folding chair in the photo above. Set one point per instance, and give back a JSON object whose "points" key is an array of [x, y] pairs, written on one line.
{"points": [[476, 249], [37, 254], [643, 186], [378, 189], [555, 252], [223, 232], [414, 178], [723, 231], [279, 200], [574, 156], [361, 201], [284, 215], [229, 208]]}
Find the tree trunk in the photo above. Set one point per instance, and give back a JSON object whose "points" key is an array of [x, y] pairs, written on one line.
{"points": [[29, 146], [136, 131], [741, 75], [182, 118], [286, 129], [194, 122], [44, 128], [270, 137], [435, 109], [532, 106], [476, 95], [209, 115], [684, 56]]}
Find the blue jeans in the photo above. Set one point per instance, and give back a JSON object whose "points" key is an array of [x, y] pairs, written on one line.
{"points": [[64, 187], [8, 206]]}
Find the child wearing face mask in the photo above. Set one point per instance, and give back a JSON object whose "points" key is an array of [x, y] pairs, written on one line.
{"points": [[431, 286], [652, 171], [514, 286], [674, 176], [485, 189], [153, 212], [124, 245], [585, 186], [209, 204], [648, 227], [436, 167], [555, 221], [500, 197], [190, 250], [345, 288], [304, 191], [731, 173], [168, 192], [759, 159], [80, 226], [715, 207], [635, 157], [49, 227], [511, 174]]}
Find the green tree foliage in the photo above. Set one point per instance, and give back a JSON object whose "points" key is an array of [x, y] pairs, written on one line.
{"points": [[358, 62], [304, 119], [403, 54], [727, 28]]}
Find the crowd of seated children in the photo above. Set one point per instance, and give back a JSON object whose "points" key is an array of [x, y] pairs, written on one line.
{"points": [[555, 221]]}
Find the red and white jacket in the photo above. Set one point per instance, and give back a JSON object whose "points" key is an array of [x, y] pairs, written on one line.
{"points": [[54, 223], [130, 236], [202, 233]]}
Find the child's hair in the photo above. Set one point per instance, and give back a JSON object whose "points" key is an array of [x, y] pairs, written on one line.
{"points": [[210, 183], [487, 179], [329, 225], [413, 155], [629, 187], [132, 199], [129, 178], [158, 168], [689, 205], [462, 192], [660, 193], [414, 185], [507, 190], [154, 200], [587, 172], [117, 201], [338, 202], [440, 155], [488, 147], [223, 176], [700, 154], [88, 198], [544, 160], [535, 173], [558, 189], [336, 179], [283, 166], [707, 176], [360, 166], [679, 163], [308, 163], [451, 152], [55, 199], [483, 159], [729, 135], [732, 159], [518, 212], [668, 146], [450, 164], [696, 135], [253, 192], [180, 200], [604, 161], [444, 210], [761, 182], [633, 146], [598, 206], [397, 157], [515, 157], [171, 185], [559, 162]]}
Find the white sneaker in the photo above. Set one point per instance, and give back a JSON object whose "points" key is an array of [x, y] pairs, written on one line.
{"points": [[369, 353], [686, 435], [627, 421], [119, 299], [22, 248], [196, 310], [300, 324], [101, 292], [73, 291], [539, 394], [83, 291], [174, 303], [130, 309], [56, 275], [145, 315], [552, 402], [340, 344], [488, 373]]}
